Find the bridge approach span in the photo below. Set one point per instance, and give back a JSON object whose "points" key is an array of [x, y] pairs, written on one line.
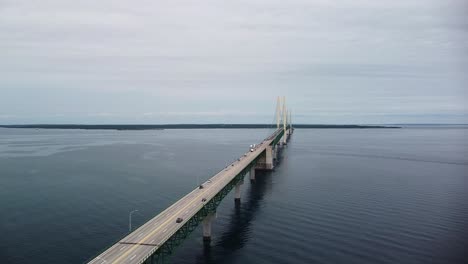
{"points": [[154, 241]]}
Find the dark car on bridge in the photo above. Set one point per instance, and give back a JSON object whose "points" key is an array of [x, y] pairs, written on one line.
{"points": [[179, 220]]}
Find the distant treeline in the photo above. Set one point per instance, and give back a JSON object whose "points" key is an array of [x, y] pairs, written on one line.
{"points": [[182, 126]]}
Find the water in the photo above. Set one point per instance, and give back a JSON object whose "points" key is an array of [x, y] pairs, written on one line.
{"points": [[338, 196]]}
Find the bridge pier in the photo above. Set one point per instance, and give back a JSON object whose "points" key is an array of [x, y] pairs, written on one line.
{"points": [[266, 160], [237, 195], [269, 158], [252, 173], [207, 227]]}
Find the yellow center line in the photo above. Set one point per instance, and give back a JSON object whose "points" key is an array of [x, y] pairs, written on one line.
{"points": [[157, 229], [162, 225], [131, 236]]}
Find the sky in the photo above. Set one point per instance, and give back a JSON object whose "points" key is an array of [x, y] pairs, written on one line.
{"points": [[158, 62]]}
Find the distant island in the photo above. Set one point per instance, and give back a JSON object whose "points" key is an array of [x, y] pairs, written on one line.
{"points": [[183, 126]]}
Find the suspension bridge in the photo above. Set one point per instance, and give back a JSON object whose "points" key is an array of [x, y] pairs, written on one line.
{"points": [[157, 239]]}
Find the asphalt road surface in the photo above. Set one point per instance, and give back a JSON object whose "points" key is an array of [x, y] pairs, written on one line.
{"points": [[143, 242]]}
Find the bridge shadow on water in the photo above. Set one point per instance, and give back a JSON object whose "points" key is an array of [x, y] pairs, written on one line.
{"points": [[233, 231], [237, 231]]}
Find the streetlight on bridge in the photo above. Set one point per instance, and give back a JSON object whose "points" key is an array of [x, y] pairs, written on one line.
{"points": [[130, 220]]}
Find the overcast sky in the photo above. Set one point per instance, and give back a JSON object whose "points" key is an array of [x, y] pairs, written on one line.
{"points": [[116, 61]]}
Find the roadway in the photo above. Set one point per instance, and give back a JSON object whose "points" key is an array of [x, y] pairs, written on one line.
{"points": [[144, 241]]}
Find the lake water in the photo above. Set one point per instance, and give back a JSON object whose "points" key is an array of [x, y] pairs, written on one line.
{"points": [[338, 196]]}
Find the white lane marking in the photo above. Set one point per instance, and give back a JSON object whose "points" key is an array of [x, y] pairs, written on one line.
{"points": [[133, 257], [123, 248], [152, 241], [217, 183], [140, 235], [164, 231], [186, 211]]}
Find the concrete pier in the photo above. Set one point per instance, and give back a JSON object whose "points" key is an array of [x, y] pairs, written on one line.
{"points": [[237, 190], [207, 226], [252, 173], [269, 158], [266, 161]]}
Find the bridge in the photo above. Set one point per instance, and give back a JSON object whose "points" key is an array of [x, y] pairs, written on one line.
{"points": [[157, 239]]}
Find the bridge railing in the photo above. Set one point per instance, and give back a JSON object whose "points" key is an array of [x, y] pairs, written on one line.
{"points": [[171, 241], [169, 244]]}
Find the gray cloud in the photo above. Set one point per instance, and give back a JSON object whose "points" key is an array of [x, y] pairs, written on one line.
{"points": [[114, 61]]}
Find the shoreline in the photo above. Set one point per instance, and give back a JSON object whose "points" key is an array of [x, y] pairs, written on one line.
{"points": [[187, 126]]}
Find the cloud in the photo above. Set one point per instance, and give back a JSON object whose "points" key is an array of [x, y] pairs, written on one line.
{"points": [[188, 58]]}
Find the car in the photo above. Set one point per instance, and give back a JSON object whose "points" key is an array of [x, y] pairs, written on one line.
{"points": [[201, 186], [203, 200], [179, 220]]}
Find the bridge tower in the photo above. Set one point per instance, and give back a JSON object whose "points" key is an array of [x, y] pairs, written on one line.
{"points": [[290, 119], [279, 116], [290, 123], [285, 117], [278, 112]]}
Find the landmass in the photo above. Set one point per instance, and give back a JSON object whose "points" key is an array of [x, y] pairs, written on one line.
{"points": [[183, 126]]}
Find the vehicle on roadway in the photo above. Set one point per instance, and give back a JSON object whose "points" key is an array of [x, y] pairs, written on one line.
{"points": [[179, 220], [201, 186], [203, 200]]}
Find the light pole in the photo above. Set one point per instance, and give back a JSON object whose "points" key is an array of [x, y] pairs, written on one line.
{"points": [[130, 220]]}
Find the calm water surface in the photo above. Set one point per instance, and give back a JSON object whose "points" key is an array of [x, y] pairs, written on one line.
{"points": [[338, 196]]}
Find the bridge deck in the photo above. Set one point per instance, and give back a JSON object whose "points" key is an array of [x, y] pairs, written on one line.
{"points": [[144, 241]]}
